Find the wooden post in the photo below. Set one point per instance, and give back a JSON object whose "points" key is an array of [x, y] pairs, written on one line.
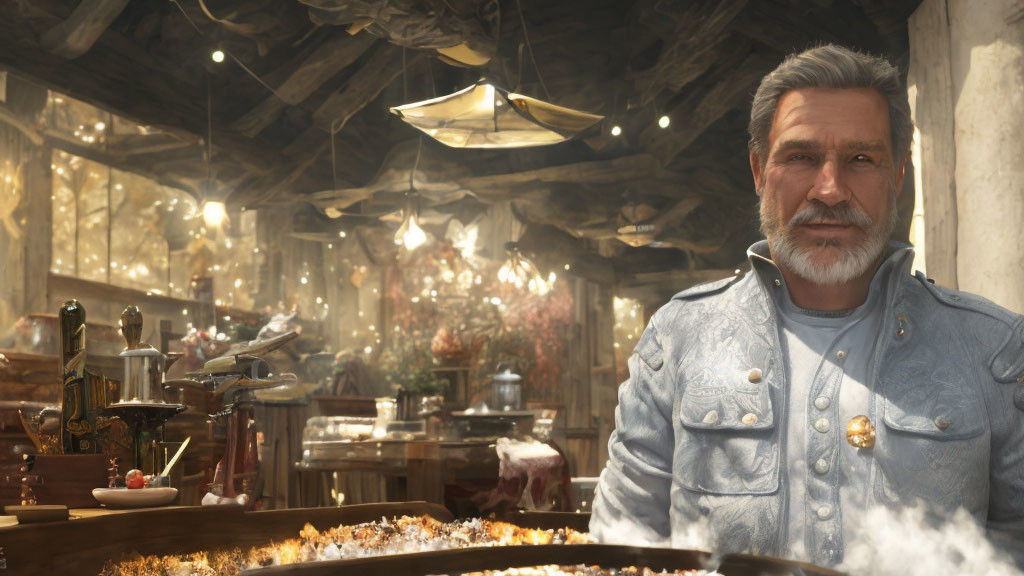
{"points": [[38, 236]]}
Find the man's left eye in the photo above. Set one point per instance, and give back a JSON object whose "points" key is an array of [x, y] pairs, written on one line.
{"points": [[861, 158]]}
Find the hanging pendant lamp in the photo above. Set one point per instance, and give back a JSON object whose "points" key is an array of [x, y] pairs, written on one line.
{"points": [[521, 272], [213, 206], [486, 116]]}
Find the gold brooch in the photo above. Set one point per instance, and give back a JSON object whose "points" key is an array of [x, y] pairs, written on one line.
{"points": [[860, 432]]}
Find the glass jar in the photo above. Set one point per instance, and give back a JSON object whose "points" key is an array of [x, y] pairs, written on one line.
{"points": [[386, 408]]}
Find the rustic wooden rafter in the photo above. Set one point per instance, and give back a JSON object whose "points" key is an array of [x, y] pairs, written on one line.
{"points": [[334, 55], [694, 31], [365, 84], [704, 107], [76, 35]]}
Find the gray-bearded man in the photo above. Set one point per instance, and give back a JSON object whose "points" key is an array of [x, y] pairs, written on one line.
{"points": [[741, 392]]}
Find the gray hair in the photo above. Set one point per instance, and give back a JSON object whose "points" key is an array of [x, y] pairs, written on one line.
{"points": [[831, 66]]}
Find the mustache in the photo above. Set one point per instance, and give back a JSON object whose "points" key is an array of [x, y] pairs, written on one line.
{"points": [[818, 212]]}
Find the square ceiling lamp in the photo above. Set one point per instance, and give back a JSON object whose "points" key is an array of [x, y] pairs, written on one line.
{"points": [[485, 116]]}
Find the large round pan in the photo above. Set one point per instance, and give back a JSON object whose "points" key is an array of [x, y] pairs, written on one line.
{"points": [[501, 557]]}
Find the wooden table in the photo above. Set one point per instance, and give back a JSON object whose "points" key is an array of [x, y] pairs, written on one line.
{"points": [[395, 470]]}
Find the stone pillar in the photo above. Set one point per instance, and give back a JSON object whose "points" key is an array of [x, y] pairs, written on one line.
{"points": [[969, 107], [987, 56], [930, 86]]}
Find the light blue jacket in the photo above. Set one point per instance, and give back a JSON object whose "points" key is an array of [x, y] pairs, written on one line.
{"points": [[947, 381]]}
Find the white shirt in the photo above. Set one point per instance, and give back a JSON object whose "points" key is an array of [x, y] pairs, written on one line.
{"points": [[827, 356]]}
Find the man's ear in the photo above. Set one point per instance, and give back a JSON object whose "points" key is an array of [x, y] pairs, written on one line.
{"points": [[899, 174], [755, 170]]}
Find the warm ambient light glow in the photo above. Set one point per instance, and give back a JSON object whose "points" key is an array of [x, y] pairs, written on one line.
{"points": [[214, 213], [663, 121], [616, 130], [410, 234], [519, 271], [218, 56]]}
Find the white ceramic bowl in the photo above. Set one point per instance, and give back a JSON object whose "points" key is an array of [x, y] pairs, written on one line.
{"points": [[135, 497]]}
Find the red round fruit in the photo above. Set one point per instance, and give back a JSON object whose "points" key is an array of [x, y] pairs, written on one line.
{"points": [[135, 479]]}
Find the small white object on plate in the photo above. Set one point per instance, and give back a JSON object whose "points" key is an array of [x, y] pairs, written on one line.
{"points": [[135, 497]]}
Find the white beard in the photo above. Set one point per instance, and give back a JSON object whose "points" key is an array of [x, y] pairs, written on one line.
{"points": [[852, 261]]}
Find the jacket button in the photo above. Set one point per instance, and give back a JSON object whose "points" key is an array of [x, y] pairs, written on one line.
{"points": [[941, 423], [824, 513], [778, 283], [749, 419], [711, 417], [821, 425], [754, 375], [822, 402], [821, 466]]}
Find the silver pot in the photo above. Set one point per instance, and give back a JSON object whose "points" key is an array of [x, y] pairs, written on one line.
{"points": [[506, 391]]}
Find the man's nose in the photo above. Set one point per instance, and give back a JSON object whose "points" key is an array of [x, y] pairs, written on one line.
{"points": [[828, 186]]}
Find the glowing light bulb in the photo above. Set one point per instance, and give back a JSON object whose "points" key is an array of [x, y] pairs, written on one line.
{"points": [[616, 130], [217, 56], [663, 121], [214, 213], [414, 236]]}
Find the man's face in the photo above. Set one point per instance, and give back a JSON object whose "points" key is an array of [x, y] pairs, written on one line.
{"points": [[828, 186]]}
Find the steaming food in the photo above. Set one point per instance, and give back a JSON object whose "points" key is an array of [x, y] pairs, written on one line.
{"points": [[584, 570], [397, 536]]}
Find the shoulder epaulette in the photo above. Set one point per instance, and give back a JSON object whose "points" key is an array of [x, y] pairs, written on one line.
{"points": [[707, 289], [1007, 363]]}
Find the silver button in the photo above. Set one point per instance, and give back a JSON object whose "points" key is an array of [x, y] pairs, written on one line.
{"points": [[941, 423], [711, 417], [821, 466], [822, 425], [841, 354], [824, 512], [749, 419], [754, 375], [822, 402], [778, 282]]}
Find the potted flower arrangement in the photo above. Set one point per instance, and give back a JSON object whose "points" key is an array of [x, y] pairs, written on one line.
{"points": [[407, 366]]}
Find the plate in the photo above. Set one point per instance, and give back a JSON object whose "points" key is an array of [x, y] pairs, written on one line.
{"points": [[135, 497]]}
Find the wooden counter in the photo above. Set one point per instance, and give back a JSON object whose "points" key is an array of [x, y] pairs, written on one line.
{"points": [[82, 544]]}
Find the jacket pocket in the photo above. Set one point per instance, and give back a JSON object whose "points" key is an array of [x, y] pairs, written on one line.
{"points": [[730, 444], [934, 446], [938, 412]]}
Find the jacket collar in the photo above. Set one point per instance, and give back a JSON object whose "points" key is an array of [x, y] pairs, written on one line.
{"points": [[899, 258]]}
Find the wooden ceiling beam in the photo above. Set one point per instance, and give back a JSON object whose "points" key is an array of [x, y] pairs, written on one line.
{"points": [[382, 68], [622, 169], [703, 108], [692, 45], [511, 185], [787, 30], [334, 55], [76, 35]]}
